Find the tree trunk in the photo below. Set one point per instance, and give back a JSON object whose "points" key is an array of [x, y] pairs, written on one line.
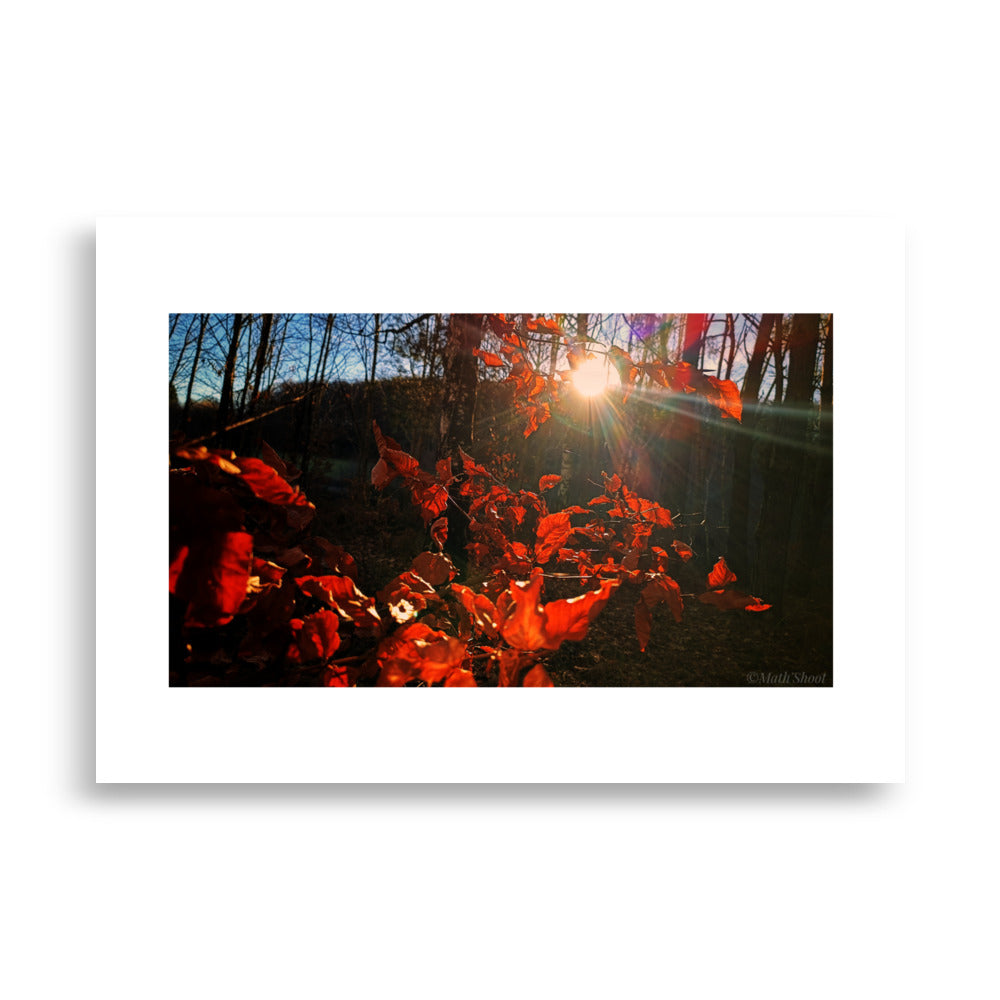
{"points": [[229, 373], [461, 376], [785, 473], [314, 378], [364, 457], [202, 324], [458, 412], [737, 553], [811, 564], [261, 360]]}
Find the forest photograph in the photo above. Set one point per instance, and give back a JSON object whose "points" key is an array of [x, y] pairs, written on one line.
{"points": [[501, 500]]}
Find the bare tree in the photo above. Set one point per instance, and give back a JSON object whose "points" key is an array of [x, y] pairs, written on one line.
{"points": [[229, 373]]}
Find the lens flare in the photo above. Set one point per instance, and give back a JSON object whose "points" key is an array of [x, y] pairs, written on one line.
{"points": [[594, 376]]}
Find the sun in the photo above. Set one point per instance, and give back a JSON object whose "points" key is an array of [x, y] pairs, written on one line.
{"points": [[595, 375]]}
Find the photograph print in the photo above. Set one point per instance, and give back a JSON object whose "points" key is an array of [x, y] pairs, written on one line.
{"points": [[501, 500]]}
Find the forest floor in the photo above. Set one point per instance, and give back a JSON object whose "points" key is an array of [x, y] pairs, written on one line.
{"points": [[792, 647]]}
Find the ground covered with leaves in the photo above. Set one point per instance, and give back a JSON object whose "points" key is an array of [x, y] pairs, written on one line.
{"points": [[706, 648]]}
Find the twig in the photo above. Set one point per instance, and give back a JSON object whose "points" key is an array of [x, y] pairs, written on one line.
{"points": [[249, 420]]}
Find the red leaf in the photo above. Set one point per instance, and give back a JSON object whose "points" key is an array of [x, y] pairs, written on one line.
{"points": [[470, 467], [177, 566], [570, 619], [552, 532], [314, 637], [381, 474], [443, 469], [341, 594], [267, 485], [537, 677], [219, 458], [431, 500], [460, 678], [684, 551], [643, 624], [266, 574], [537, 413], [383, 441], [393, 461], [664, 590], [336, 676], [542, 323], [529, 626], [439, 532], [523, 623], [512, 662], [515, 559], [294, 559], [656, 514], [480, 608], [515, 514], [407, 595], [435, 569], [503, 328], [417, 652], [211, 574], [721, 575], [493, 360], [547, 482], [728, 400]]}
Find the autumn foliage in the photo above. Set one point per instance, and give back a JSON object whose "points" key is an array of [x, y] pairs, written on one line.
{"points": [[256, 594]]}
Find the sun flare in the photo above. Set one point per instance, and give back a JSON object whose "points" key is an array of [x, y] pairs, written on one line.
{"points": [[594, 376]]}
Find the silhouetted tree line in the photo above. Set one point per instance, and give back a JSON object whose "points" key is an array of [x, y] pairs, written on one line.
{"points": [[759, 491]]}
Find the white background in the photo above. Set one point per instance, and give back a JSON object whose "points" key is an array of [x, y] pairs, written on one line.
{"points": [[787, 891], [148, 267]]}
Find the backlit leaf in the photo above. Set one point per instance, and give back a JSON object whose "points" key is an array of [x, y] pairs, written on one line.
{"points": [[537, 414], [470, 467], [537, 677], [417, 652], [683, 550], [529, 626], [493, 360], [552, 532], [481, 610], [721, 575], [460, 678], [430, 499], [728, 399]]}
